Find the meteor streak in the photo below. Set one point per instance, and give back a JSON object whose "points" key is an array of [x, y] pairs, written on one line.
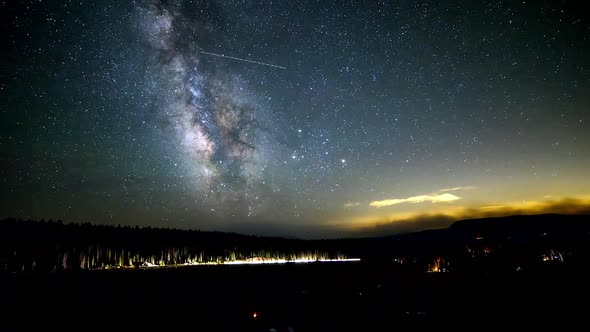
{"points": [[245, 60]]}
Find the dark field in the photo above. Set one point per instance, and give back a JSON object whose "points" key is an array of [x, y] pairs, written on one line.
{"points": [[306, 297]]}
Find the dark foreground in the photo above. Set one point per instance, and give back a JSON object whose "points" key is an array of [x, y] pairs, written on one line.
{"points": [[308, 297]]}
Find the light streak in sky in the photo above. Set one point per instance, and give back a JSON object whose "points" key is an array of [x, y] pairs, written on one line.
{"points": [[240, 59]]}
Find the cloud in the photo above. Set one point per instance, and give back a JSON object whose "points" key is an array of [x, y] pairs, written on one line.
{"points": [[411, 222], [351, 204], [433, 198], [458, 188]]}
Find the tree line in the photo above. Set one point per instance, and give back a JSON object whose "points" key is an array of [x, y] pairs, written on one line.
{"points": [[39, 245]]}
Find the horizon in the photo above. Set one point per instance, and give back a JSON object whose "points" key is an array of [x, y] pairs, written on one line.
{"points": [[300, 120], [367, 234]]}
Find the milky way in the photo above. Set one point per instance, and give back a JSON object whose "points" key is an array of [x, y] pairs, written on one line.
{"points": [[215, 126]]}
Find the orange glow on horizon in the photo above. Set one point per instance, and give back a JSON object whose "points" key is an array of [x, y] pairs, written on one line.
{"points": [[441, 216]]}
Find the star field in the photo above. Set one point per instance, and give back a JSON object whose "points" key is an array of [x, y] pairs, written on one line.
{"points": [[112, 113]]}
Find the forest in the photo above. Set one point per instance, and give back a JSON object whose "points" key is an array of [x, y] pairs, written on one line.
{"points": [[489, 244], [30, 245]]}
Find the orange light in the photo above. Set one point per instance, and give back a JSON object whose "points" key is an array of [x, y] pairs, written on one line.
{"points": [[255, 315]]}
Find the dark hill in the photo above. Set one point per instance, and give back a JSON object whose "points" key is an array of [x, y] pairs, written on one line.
{"points": [[525, 227]]}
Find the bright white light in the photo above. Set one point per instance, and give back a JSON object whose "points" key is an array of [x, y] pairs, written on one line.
{"points": [[276, 261]]}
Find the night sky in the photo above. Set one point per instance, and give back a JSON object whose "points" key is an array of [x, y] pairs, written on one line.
{"points": [[348, 116]]}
